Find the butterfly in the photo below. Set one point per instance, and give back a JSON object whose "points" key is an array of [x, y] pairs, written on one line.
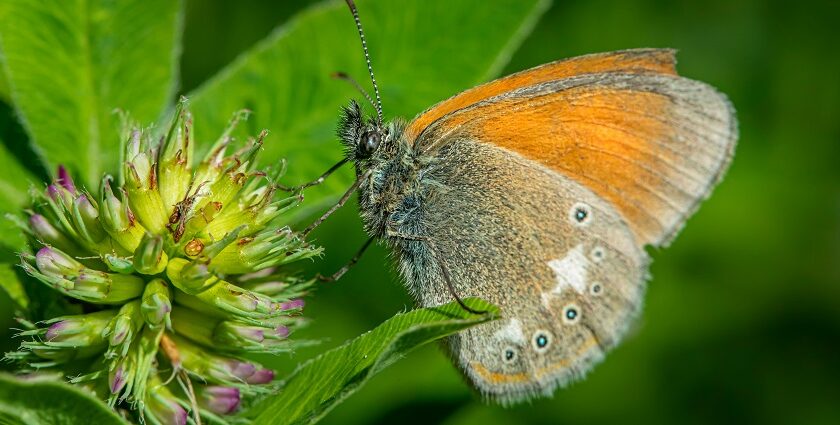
{"points": [[539, 192]]}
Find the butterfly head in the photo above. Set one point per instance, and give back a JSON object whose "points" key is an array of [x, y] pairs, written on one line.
{"points": [[362, 136]]}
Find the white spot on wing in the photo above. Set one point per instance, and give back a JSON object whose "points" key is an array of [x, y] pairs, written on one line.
{"points": [[546, 299], [570, 271], [512, 332]]}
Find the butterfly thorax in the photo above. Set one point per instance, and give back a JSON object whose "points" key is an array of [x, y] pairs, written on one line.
{"points": [[393, 183], [390, 172]]}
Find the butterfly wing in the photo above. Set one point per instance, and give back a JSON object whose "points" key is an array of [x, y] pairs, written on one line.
{"points": [[510, 231], [650, 142], [540, 198], [634, 61]]}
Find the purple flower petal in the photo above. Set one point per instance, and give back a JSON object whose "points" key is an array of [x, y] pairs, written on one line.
{"points": [[220, 400], [292, 305], [177, 415], [54, 192], [65, 180], [55, 329], [43, 229], [253, 334], [117, 380], [52, 261], [262, 376], [257, 274], [86, 207], [241, 370], [281, 331]]}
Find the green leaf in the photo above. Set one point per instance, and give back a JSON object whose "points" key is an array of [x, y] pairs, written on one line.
{"points": [[423, 51], [323, 382], [13, 287], [14, 182], [47, 401], [4, 88], [71, 63]]}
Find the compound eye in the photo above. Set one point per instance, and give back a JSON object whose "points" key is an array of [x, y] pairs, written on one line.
{"points": [[369, 143]]}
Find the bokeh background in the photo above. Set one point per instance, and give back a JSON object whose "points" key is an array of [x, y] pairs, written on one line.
{"points": [[742, 318]]}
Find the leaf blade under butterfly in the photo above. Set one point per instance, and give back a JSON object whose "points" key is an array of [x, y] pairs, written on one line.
{"points": [[422, 52], [323, 382]]}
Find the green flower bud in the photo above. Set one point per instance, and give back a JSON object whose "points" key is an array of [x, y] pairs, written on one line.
{"points": [[174, 168], [149, 257], [121, 379], [47, 234], [86, 220], [53, 261], [118, 264], [230, 335], [118, 220], [60, 199], [122, 328], [192, 277], [76, 331], [106, 288], [163, 406], [280, 288], [252, 338], [226, 186], [156, 304], [225, 299], [198, 224], [69, 337], [255, 214], [214, 161], [65, 180], [221, 369], [145, 358], [142, 183], [219, 399], [64, 273], [269, 248]]}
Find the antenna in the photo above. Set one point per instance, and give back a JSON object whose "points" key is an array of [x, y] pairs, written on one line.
{"points": [[343, 76], [355, 13]]}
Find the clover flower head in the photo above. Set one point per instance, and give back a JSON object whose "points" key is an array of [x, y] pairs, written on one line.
{"points": [[175, 269]]}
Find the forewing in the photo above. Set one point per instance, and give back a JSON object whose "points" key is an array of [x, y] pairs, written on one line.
{"points": [[651, 143], [633, 61]]}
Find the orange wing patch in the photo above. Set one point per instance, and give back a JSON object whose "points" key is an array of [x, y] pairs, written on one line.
{"points": [[653, 145], [628, 61]]}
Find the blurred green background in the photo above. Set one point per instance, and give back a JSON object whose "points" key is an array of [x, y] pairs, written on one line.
{"points": [[742, 318]]}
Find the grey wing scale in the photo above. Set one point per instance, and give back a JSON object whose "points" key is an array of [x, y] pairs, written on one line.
{"points": [[560, 262]]}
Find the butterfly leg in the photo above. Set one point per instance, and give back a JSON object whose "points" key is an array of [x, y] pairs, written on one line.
{"points": [[315, 182], [339, 204], [444, 271], [337, 275]]}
